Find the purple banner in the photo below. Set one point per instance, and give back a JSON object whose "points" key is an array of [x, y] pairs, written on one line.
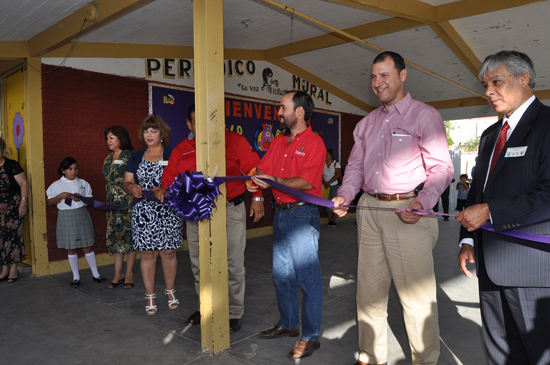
{"points": [[257, 121]]}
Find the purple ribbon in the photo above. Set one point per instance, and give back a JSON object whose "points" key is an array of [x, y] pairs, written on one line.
{"points": [[93, 203], [193, 197]]}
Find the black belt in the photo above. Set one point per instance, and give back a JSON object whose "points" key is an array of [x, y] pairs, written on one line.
{"points": [[237, 200], [284, 206]]}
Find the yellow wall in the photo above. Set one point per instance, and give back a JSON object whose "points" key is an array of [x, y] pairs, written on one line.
{"points": [[15, 104]]}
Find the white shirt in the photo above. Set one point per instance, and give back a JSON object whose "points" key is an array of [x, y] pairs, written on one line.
{"points": [[513, 121], [76, 186], [329, 172]]}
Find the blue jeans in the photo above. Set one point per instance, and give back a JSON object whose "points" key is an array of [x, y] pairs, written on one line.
{"points": [[295, 261]]}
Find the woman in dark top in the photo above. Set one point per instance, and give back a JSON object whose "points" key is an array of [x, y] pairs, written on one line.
{"points": [[14, 193], [157, 231]]}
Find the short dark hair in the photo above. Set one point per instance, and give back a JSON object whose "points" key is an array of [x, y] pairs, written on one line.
{"points": [[398, 61], [464, 175], [65, 164], [123, 136], [302, 99], [190, 111], [517, 64], [2, 145], [155, 121]]}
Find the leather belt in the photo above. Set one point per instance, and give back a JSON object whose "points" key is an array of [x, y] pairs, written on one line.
{"points": [[284, 206], [237, 200], [386, 197]]}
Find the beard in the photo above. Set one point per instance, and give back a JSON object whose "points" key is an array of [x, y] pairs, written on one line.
{"points": [[288, 122]]}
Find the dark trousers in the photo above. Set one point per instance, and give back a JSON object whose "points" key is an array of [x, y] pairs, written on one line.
{"points": [[444, 201], [516, 323]]}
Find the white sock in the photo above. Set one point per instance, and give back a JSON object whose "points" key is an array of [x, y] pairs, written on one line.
{"points": [[73, 261], [90, 257]]}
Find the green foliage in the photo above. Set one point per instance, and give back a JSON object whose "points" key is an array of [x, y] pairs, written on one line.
{"points": [[448, 128], [472, 144]]}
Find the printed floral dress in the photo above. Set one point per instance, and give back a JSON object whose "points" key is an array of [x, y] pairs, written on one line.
{"points": [[119, 222], [12, 247]]}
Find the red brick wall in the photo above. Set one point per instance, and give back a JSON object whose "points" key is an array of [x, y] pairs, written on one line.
{"points": [[77, 106]]}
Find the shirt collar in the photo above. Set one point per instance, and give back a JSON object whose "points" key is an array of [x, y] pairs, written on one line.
{"points": [[64, 179], [401, 105], [308, 129], [516, 116]]}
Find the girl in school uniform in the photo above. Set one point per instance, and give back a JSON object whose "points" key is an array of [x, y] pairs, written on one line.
{"points": [[74, 225]]}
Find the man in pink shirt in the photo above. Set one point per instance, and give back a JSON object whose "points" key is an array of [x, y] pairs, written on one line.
{"points": [[401, 160]]}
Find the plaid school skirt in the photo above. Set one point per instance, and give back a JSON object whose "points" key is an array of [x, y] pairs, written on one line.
{"points": [[74, 229]]}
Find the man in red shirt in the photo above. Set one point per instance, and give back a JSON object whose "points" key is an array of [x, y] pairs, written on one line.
{"points": [[239, 156], [295, 159]]}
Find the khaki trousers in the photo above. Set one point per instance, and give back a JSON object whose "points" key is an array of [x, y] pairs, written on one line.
{"points": [[236, 244], [389, 248]]}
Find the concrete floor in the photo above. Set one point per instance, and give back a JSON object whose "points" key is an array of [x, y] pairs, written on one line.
{"points": [[45, 321]]}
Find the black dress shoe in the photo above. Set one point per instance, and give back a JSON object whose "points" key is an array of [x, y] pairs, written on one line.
{"points": [[195, 318], [279, 331], [75, 283], [235, 324], [99, 279], [304, 349]]}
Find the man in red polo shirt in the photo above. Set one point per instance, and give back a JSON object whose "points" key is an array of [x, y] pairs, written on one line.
{"points": [[239, 156], [295, 159]]}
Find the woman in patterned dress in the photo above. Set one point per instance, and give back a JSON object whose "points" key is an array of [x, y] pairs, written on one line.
{"points": [[157, 231], [119, 223], [14, 191]]}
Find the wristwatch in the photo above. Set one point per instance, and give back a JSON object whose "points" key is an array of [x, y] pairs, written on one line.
{"points": [[257, 198]]}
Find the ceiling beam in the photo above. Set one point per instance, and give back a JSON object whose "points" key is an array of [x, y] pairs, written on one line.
{"points": [[464, 102], [68, 29], [458, 103], [300, 72], [457, 44], [467, 8], [14, 50], [370, 45], [127, 50], [369, 30], [408, 9]]}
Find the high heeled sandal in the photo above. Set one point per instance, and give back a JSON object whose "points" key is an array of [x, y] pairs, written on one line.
{"points": [[150, 309], [174, 303]]}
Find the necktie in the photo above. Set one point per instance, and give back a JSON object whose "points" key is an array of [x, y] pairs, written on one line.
{"points": [[499, 146]]}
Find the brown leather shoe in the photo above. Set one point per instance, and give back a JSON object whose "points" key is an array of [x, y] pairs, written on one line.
{"points": [[195, 318], [304, 349], [364, 363], [279, 331], [235, 324]]}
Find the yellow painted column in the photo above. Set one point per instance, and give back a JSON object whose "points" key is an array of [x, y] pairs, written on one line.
{"points": [[210, 117], [35, 168]]}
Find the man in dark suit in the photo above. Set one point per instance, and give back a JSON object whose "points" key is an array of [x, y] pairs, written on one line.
{"points": [[511, 189]]}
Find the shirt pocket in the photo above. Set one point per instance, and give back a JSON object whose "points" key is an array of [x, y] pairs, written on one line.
{"points": [[401, 147]]}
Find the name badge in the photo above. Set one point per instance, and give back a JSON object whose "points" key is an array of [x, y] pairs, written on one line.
{"points": [[163, 163], [516, 151], [118, 162]]}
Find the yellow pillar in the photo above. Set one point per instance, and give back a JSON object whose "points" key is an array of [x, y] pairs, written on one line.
{"points": [[210, 117], [35, 168]]}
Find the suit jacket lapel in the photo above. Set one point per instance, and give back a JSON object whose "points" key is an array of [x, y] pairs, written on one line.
{"points": [[517, 136]]}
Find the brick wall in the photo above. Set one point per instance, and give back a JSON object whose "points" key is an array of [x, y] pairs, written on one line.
{"points": [[77, 106]]}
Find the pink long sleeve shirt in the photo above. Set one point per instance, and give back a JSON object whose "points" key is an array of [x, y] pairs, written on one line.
{"points": [[396, 150]]}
